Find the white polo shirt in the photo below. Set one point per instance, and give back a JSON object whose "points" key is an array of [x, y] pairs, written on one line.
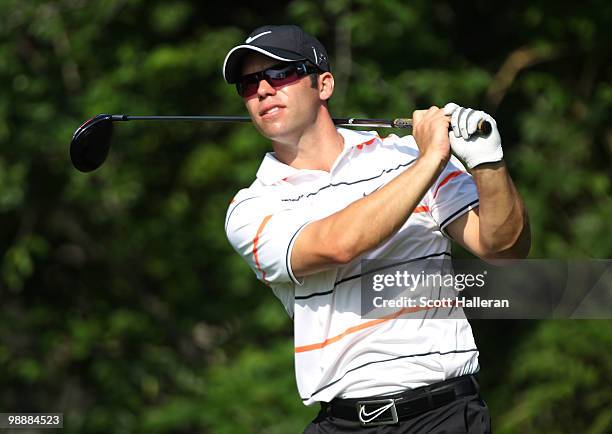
{"points": [[337, 352]]}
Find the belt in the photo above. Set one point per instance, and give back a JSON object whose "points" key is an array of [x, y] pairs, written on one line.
{"points": [[390, 409]]}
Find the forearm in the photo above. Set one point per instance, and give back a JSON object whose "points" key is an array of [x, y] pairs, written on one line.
{"points": [[503, 221], [367, 222], [364, 224], [384, 211]]}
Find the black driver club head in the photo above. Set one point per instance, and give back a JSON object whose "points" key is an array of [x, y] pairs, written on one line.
{"points": [[91, 142]]}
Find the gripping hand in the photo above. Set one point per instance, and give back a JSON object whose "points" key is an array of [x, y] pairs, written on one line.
{"points": [[473, 149]]}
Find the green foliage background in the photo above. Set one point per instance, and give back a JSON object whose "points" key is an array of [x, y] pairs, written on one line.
{"points": [[122, 304]]}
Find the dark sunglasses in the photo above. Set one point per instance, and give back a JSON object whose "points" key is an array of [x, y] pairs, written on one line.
{"points": [[276, 76]]}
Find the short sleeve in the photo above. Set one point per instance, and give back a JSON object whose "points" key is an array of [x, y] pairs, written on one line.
{"points": [[262, 230], [453, 194]]}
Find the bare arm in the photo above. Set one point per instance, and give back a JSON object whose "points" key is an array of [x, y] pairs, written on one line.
{"points": [[366, 223], [499, 228]]}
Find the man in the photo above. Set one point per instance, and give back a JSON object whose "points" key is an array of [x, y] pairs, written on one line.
{"points": [[327, 198]]}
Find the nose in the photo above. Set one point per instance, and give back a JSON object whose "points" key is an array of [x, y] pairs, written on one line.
{"points": [[264, 89]]}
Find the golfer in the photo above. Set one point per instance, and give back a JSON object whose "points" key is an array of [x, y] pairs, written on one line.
{"points": [[327, 198]]}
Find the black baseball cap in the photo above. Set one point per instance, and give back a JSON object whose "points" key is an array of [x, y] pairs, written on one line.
{"points": [[287, 43]]}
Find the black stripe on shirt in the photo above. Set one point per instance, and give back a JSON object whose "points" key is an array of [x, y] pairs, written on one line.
{"points": [[301, 196], [460, 210], [234, 209], [407, 261], [314, 294], [387, 360], [287, 254], [346, 279]]}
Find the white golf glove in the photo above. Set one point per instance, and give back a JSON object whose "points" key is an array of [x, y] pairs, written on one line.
{"points": [[473, 149]]}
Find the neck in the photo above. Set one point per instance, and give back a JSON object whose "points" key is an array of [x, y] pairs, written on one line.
{"points": [[317, 147]]}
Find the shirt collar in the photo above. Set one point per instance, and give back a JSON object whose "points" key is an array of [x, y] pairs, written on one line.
{"points": [[272, 170], [353, 138]]}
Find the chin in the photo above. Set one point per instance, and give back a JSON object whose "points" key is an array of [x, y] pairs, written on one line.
{"points": [[274, 131]]}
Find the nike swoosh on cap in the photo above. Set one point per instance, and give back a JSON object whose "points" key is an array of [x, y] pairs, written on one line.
{"points": [[252, 38]]}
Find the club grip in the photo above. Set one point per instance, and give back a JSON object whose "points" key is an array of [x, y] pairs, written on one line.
{"points": [[483, 128]]}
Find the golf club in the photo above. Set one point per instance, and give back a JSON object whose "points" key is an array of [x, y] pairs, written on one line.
{"points": [[91, 141]]}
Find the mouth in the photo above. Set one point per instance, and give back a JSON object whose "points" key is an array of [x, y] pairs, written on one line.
{"points": [[270, 111]]}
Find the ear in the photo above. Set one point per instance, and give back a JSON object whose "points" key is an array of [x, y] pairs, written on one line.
{"points": [[326, 85]]}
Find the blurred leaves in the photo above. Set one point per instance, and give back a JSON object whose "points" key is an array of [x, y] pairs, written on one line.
{"points": [[122, 303], [571, 369]]}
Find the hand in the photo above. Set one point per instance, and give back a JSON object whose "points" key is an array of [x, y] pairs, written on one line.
{"points": [[430, 131], [473, 149]]}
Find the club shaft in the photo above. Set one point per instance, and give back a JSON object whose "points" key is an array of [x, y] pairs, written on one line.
{"points": [[182, 118], [484, 127], [380, 123]]}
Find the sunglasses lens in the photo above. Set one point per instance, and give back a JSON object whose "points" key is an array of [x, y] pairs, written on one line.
{"points": [[275, 76], [247, 86], [282, 77]]}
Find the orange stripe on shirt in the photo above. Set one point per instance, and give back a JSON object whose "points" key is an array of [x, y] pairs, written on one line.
{"points": [[422, 208], [448, 178], [255, 241], [365, 325], [369, 142]]}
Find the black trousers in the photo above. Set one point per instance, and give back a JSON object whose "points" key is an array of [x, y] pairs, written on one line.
{"points": [[465, 415]]}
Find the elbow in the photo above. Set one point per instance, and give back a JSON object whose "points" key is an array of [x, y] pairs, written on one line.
{"points": [[516, 247], [341, 252], [341, 256], [516, 251]]}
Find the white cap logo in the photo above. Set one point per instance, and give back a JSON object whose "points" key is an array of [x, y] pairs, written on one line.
{"points": [[252, 38]]}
